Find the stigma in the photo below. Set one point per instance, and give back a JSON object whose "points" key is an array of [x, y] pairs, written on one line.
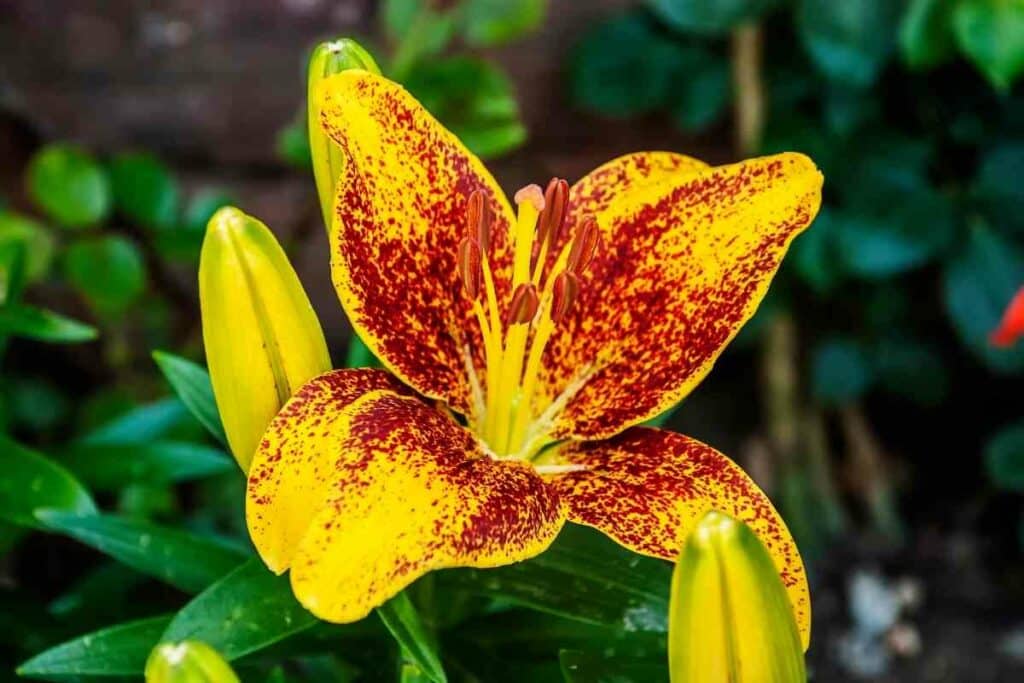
{"points": [[545, 288]]}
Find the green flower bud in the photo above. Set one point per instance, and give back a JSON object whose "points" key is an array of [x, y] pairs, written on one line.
{"points": [[189, 661]]}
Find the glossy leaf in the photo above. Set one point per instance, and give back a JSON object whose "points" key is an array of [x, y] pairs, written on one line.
{"points": [[109, 271], [191, 382], [30, 322], [991, 34], [246, 611], [107, 466], [144, 190], [115, 651], [849, 42], [493, 22], [700, 16], [182, 559], [68, 184], [1004, 458], [926, 33], [403, 621], [161, 419], [32, 481]]}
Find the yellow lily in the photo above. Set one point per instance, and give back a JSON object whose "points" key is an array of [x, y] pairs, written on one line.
{"points": [[730, 619], [521, 349], [189, 661]]}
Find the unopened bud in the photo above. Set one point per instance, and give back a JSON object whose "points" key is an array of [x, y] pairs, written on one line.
{"points": [[189, 661], [524, 304], [478, 220], [263, 341], [566, 289], [584, 246], [469, 266]]}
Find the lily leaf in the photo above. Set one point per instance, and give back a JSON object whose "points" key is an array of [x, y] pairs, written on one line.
{"points": [[106, 466], [115, 651], [68, 184], [32, 481], [587, 667], [144, 189], [849, 41], [184, 560], [21, 320], [158, 420], [191, 382], [403, 621]]}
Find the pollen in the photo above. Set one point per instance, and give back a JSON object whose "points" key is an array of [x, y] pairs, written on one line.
{"points": [[548, 269]]}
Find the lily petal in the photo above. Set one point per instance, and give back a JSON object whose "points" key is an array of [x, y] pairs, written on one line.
{"points": [[398, 488], [400, 214], [686, 256], [648, 488]]}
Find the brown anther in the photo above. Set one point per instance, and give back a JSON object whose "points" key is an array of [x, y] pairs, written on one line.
{"points": [[478, 220], [524, 304], [556, 197], [567, 288], [584, 246], [469, 266], [531, 193]]}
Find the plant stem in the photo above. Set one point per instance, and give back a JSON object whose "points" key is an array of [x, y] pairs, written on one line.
{"points": [[747, 47], [871, 474]]}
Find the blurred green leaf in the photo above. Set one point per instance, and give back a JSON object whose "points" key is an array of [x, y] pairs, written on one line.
{"points": [[926, 33], [583, 576], [1004, 458], [32, 481], [108, 466], [880, 169], [68, 184], [472, 98], [107, 589], [912, 370], [201, 208], [403, 621], [849, 42], [848, 109], [164, 418], [991, 34], [38, 243], [293, 144], [492, 22], [840, 371], [998, 188], [108, 270], [815, 255], [588, 667], [978, 283], [359, 354], [20, 320], [700, 99], [246, 611], [144, 190], [701, 16], [179, 558], [191, 382], [417, 31], [119, 650], [183, 241], [35, 403]]}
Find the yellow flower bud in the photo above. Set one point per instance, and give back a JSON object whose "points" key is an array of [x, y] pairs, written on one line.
{"points": [[263, 340], [330, 58], [730, 620], [189, 661]]}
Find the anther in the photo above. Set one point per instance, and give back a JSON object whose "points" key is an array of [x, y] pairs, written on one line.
{"points": [[566, 289], [556, 196], [524, 304], [469, 266], [478, 220], [584, 246], [533, 194]]}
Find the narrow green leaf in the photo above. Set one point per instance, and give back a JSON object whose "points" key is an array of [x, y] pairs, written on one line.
{"points": [[191, 382], [182, 559], [107, 466], [156, 420], [31, 481], [22, 320], [588, 667], [115, 651], [247, 610], [68, 184], [403, 621]]}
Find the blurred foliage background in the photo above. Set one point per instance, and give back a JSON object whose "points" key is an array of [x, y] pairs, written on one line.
{"points": [[865, 397]]}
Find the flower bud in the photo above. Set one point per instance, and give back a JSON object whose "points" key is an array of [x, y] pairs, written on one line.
{"points": [[189, 661], [730, 619], [329, 58], [262, 338]]}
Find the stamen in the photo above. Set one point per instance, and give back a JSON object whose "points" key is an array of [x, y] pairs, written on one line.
{"points": [[566, 289], [478, 220], [556, 196], [469, 266], [524, 304], [584, 246]]}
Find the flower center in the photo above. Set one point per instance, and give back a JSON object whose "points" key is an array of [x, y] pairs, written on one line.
{"points": [[512, 416]]}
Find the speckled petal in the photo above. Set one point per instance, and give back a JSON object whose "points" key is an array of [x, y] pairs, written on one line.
{"points": [[647, 488], [400, 214], [289, 479], [686, 256]]}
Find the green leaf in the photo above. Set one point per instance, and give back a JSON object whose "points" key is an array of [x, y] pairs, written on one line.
{"points": [[403, 621], [492, 22], [31, 481], [1004, 458], [472, 98], [816, 257], [36, 404], [109, 466], [183, 560], [978, 283], [849, 42], [715, 18], [37, 242], [840, 371], [926, 33], [583, 576], [247, 610], [164, 418], [191, 382], [20, 320], [587, 667], [912, 370], [144, 190], [702, 97], [119, 650], [991, 34], [998, 187], [69, 186], [108, 270], [293, 144]]}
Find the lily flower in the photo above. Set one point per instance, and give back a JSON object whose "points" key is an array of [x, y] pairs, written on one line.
{"points": [[522, 348]]}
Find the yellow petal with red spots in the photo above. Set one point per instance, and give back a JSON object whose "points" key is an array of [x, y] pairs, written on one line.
{"points": [[647, 488], [291, 474], [400, 214], [684, 260]]}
